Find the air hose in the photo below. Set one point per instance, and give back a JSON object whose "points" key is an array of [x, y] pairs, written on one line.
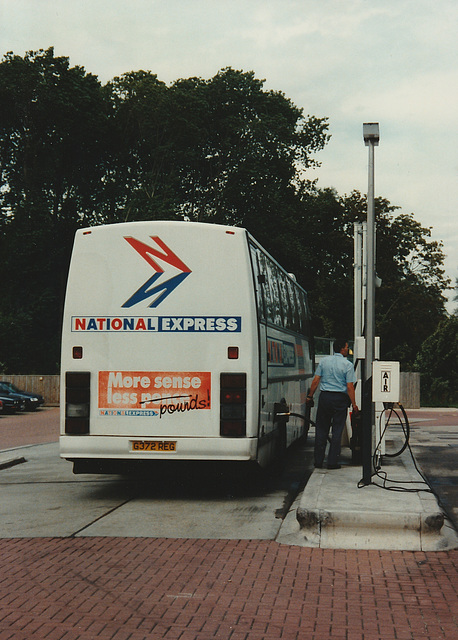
{"points": [[404, 422]]}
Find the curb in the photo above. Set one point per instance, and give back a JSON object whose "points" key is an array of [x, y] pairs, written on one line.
{"points": [[11, 461], [332, 514], [409, 531]]}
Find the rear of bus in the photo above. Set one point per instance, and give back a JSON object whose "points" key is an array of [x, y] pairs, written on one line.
{"points": [[159, 347]]}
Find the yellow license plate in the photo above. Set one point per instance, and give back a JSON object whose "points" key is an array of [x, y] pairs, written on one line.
{"points": [[163, 446]]}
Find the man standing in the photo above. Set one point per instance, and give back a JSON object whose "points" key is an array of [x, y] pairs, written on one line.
{"points": [[336, 378]]}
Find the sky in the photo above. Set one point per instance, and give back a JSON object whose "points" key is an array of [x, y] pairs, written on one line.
{"points": [[394, 62]]}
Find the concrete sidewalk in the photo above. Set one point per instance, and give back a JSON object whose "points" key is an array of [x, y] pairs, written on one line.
{"points": [[335, 512]]}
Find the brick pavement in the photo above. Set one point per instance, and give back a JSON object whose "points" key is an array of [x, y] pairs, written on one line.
{"points": [[138, 589]]}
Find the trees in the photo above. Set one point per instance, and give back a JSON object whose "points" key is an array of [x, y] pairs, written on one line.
{"points": [[74, 153], [410, 302], [141, 175], [455, 299], [52, 131], [438, 364], [218, 150], [53, 128]]}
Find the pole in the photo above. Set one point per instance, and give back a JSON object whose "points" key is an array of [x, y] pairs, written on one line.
{"points": [[370, 280], [358, 278], [371, 139]]}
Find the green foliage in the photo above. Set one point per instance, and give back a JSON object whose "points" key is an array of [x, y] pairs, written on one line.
{"points": [[455, 299], [52, 127], [438, 364], [223, 150], [218, 150], [410, 302]]}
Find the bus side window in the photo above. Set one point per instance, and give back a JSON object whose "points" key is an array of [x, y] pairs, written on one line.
{"points": [[304, 314], [295, 309], [285, 302], [274, 313], [276, 289], [280, 283], [260, 283]]}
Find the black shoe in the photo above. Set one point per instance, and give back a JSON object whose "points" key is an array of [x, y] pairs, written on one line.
{"points": [[334, 466], [318, 465]]}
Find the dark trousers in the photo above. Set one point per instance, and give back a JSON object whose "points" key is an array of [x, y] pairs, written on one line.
{"points": [[332, 411]]}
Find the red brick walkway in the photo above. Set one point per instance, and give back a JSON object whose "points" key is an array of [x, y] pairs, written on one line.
{"points": [[138, 589]]}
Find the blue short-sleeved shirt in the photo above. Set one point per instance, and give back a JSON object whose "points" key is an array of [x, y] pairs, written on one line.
{"points": [[335, 372]]}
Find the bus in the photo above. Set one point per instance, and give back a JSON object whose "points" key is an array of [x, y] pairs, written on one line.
{"points": [[181, 341]]}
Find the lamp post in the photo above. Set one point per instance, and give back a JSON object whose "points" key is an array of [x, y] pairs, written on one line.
{"points": [[371, 137]]}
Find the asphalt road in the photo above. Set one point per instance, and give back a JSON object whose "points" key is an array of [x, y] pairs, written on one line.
{"points": [[41, 497], [433, 441], [23, 429]]}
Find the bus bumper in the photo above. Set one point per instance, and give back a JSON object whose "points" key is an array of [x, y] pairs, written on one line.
{"points": [[122, 449]]}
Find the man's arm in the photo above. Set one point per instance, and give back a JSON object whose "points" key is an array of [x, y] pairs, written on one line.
{"points": [[313, 386], [351, 393]]}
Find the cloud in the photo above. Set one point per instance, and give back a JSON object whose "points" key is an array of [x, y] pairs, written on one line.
{"points": [[424, 98]]}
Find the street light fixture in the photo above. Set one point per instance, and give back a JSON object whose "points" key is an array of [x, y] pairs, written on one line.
{"points": [[371, 133]]}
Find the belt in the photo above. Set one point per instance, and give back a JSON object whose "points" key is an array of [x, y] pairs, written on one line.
{"points": [[339, 393]]}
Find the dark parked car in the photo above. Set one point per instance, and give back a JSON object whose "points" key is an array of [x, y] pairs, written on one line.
{"points": [[27, 401], [11, 403]]}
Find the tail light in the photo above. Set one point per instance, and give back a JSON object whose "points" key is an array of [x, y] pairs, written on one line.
{"points": [[233, 405], [77, 402], [233, 353], [77, 353]]}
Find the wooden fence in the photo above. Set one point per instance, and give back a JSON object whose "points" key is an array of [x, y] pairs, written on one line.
{"points": [[410, 390], [46, 386]]}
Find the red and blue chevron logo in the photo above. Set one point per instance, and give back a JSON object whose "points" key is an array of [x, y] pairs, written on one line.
{"points": [[159, 286]]}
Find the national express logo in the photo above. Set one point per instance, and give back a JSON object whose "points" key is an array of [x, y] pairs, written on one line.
{"points": [[159, 286], [169, 272]]}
